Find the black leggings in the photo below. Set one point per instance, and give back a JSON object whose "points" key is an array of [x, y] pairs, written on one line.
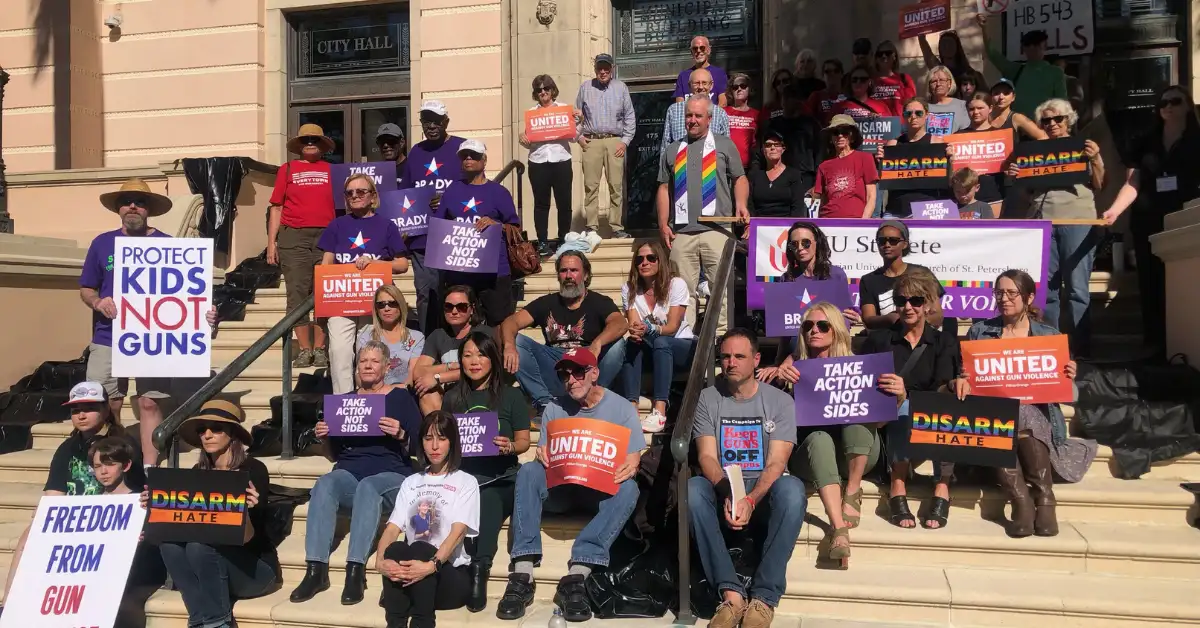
{"points": [[445, 590], [495, 505], [546, 178]]}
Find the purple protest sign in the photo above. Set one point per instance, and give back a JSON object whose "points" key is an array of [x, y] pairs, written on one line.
{"points": [[408, 208], [788, 301], [455, 245], [354, 415], [934, 210], [383, 173], [477, 431], [841, 391]]}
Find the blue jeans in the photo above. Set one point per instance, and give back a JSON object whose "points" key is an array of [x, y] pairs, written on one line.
{"points": [[669, 353], [366, 501], [1072, 252], [536, 374], [210, 578], [426, 280], [786, 501], [591, 546]]}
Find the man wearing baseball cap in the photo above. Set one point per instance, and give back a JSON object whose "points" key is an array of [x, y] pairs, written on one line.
{"points": [[1036, 80], [578, 371], [606, 128], [389, 139], [432, 161]]}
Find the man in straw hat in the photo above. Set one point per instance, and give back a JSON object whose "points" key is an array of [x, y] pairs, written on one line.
{"points": [[301, 206]]}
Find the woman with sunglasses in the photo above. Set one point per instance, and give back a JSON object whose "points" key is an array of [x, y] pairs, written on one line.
{"points": [[743, 119], [359, 237], [946, 114], [655, 299], [773, 108], [876, 288], [858, 103], [438, 366], [916, 131], [1003, 117], [845, 184], [926, 359], [890, 86], [484, 387], [388, 327], [1043, 447], [367, 472], [549, 171], [1072, 247], [776, 189]]}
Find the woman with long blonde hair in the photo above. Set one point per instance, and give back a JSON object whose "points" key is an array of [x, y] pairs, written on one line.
{"points": [[388, 327]]}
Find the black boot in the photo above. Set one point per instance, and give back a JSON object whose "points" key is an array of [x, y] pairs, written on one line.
{"points": [[316, 579], [518, 595], [356, 583], [479, 570]]}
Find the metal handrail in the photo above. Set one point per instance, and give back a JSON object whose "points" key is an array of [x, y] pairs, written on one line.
{"points": [[699, 377]]}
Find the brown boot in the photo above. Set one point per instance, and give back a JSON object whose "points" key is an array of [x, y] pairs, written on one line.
{"points": [[1035, 462], [1013, 483]]}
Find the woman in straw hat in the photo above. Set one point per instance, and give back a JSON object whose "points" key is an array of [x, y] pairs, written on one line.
{"points": [[846, 179], [300, 208], [210, 578]]}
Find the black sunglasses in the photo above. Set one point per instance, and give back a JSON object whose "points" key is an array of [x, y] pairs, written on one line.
{"points": [[380, 305], [885, 53], [804, 243], [740, 86], [699, 48], [470, 154], [1055, 119], [309, 140], [860, 79], [566, 373], [899, 300], [543, 88], [914, 113], [1174, 102], [136, 201], [461, 308], [822, 326], [652, 258], [356, 192], [215, 428], [843, 131], [886, 241]]}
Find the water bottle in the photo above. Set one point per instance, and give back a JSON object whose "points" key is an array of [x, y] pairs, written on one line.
{"points": [[557, 621]]}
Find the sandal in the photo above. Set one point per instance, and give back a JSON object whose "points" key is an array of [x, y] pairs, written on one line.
{"points": [[939, 511], [840, 553], [900, 512], [853, 500]]}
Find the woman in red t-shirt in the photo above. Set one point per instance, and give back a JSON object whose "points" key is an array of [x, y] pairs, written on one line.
{"points": [[858, 103], [846, 179], [891, 87], [743, 120], [300, 208]]}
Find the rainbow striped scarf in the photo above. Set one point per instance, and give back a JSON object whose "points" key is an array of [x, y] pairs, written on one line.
{"points": [[708, 187]]}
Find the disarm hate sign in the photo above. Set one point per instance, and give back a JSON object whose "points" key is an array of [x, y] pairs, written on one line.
{"points": [[76, 562], [1051, 163], [978, 430], [163, 293], [197, 505]]}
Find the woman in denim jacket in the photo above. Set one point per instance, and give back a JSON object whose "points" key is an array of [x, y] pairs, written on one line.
{"points": [[1042, 442]]}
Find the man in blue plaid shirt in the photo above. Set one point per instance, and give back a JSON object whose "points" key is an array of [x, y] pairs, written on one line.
{"points": [[674, 130]]}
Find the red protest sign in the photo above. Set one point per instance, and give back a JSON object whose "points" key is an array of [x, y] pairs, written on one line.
{"points": [[550, 123], [982, 152], [343, 290], [924, 18], [1031, 369], [585, 452]]}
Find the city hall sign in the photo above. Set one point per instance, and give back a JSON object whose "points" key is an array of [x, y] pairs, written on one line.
{"points": [[667, 26]]}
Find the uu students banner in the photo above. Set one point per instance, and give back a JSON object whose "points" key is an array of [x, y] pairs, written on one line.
{"points": [[163, 293], [966, 255], [1028, 369], [198, 505], [344, 290], [76, 562], [585, 452]]}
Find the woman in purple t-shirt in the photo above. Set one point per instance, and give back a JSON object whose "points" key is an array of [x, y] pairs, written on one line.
{"points": [[359, 238]]}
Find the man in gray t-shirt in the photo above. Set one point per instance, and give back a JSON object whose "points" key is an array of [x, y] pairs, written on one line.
{"points": [[742, 423]]}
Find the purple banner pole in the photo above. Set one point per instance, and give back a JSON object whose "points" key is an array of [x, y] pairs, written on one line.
{"points": [[354, 415], [477, 431], [841, 391]]}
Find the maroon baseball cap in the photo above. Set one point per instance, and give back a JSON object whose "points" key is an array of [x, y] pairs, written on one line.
{"points": [[578, 356]]}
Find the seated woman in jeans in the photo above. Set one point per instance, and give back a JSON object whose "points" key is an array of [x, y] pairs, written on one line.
{"points": [[210, 578], [368, 471], [655, 300]]}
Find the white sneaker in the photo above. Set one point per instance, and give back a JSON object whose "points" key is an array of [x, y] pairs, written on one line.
{"points": [[593, 238], [703, 289], [654, 422]]}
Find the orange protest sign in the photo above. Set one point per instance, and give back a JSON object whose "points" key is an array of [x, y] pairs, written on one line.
{"points": [[1031, 370], [924, 18], [343, 290], [550, 123], [585, 452], [983, 152]]}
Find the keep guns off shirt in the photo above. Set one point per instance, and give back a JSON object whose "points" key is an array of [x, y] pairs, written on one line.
{"points": [[428, 506], [432, 164], [744, 429]]}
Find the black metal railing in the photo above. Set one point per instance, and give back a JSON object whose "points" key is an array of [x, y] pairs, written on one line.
{"points": [[700, 376]]}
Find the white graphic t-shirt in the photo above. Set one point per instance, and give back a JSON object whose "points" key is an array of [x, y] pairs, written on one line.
{"points": [[677, 294], [427, 506]]}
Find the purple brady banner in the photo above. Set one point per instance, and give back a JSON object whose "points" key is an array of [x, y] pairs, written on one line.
{"points": [[457, 246], [965, 255], [934, 210], [383, 173], [478, 431], [354, 415], [787, 301], [408, 208], [840, 391]]}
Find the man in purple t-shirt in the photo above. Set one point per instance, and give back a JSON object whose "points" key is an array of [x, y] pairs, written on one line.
{"points": [[701, 52]]}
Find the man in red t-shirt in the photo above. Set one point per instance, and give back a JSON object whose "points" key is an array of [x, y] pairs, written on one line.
{"points": [[821, 103], [743, 120]]}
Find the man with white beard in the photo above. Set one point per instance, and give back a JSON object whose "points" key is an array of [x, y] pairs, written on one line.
{"points": [[573, 318]]}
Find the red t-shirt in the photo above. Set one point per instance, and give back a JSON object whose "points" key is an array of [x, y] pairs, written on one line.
{"points": [[893, 91], [307, 198], [843, 182], [743, 125], [862, 109], [821, 105]]}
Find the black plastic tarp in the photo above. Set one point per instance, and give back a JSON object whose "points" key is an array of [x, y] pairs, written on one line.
{"points": [[218, 180]]}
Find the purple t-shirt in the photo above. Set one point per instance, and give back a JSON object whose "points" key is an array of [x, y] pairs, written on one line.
{"points": [[350, 238], [432, 164], [98, 275], [720, 82], [465, 202]]}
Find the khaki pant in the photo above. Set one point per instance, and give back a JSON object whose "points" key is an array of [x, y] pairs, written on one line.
{"points": [[600, 157], [690, 253], [343, 334]]}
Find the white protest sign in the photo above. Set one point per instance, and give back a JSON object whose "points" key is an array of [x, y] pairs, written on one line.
{"points": [[76, 561], [1068, 24], [162, 291]]}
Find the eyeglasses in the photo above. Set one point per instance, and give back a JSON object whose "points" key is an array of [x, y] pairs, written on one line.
{"points": [[652, 258], [383, 305], [772, 146], [357, 192], [568, 373], [822, 326], [796, 245], [543, 88], [899, 300], [885, 241], [860, 79], [914, 113], [1011, 295], [1055, 119], [1173, 102], [699, 48], [136, 201], [310, 140], [461, 308], [470, 155], [940, 79]]}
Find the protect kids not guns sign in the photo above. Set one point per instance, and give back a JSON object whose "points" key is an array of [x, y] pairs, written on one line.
{"points": [[354, 415], [75, 564], [585, 452], [163, 293], [455, 245], [1031, 370], [840, 391]]}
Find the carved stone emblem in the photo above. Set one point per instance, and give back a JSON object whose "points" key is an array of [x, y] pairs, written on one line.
{"points": [[546, 9]]}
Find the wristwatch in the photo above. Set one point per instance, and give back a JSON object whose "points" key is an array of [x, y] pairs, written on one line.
{"points": [[437, 377], [437, 562]]}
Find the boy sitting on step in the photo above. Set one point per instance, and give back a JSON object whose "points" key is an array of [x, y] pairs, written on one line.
{"points": [[111, 459]]}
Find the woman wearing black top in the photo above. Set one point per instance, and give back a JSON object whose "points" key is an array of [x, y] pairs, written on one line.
{"points": [[210, 578], [899, 203], [775, 189]]}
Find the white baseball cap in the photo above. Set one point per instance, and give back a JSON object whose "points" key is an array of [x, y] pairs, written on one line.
{"points": [[434, 106], [86, 392], [473, 145]]}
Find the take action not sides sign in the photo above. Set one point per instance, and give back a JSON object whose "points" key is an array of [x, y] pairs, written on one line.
{"points": [[344, 290], [585, 452], [1031, 370]]}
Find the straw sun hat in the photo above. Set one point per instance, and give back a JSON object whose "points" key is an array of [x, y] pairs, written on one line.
{"points": [[215, 411], [296, 145], [156, 204]]}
